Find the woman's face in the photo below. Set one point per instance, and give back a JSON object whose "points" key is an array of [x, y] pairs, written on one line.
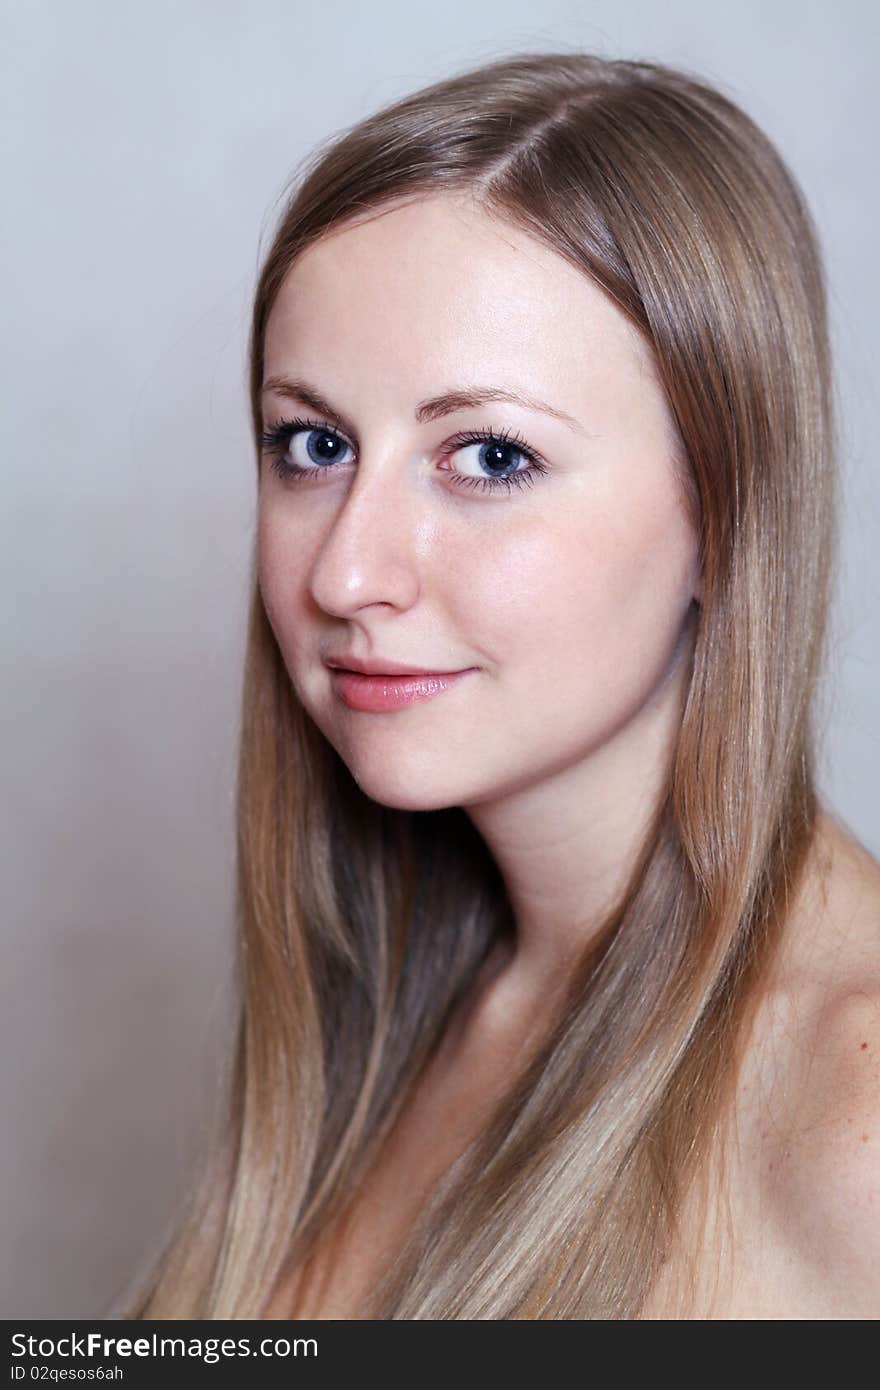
{"points": [[563, 597]]}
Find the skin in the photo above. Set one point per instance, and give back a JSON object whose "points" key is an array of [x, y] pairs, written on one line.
{"points": [[573, 598]]}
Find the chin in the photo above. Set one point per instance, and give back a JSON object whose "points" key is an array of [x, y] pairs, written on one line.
{"points": [[407, 779], [407, 793]]}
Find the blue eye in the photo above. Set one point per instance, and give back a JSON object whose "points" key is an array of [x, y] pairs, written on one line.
{"points": [[323, 446], [498, 450]]}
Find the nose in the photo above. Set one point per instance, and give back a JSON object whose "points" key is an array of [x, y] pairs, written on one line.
{"points": [[370, 554]]}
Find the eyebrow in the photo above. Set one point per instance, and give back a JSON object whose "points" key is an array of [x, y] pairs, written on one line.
{"points": [[464, 398]]}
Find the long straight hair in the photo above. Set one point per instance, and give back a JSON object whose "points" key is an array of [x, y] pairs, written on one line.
{"points": [[362, 926]]}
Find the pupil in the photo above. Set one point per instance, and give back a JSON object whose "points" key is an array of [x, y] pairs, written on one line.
{"points": [[496, 462], [325, 446]]}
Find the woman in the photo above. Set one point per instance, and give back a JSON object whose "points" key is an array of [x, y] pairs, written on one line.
{"points": [[560, 987]]}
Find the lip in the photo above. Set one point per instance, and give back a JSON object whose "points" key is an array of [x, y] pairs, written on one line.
{"points": [[381, 667], [384, 691]]}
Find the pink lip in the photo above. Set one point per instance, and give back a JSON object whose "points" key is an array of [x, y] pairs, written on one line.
{"points": [[381, 666], [387, 692]]}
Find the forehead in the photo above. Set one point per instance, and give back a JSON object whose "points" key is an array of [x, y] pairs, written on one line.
{"points": [[440, 290]]}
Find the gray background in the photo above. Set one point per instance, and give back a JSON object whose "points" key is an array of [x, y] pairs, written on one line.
{"points": [[147, 146]]}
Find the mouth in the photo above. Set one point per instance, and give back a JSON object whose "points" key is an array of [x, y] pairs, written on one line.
{"points": [[381, 691], [382, 666]]}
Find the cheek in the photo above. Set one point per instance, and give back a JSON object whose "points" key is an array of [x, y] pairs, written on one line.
{"points": [[586, 596], [281, 571]]}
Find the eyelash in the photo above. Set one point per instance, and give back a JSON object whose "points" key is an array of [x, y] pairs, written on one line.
{"points": [[274, 440]]}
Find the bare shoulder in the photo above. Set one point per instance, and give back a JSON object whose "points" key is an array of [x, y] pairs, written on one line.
{"points": [[824, 1174]]}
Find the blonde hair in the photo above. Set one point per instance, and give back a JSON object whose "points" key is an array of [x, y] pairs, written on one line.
{"points": [[362, 926]]}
